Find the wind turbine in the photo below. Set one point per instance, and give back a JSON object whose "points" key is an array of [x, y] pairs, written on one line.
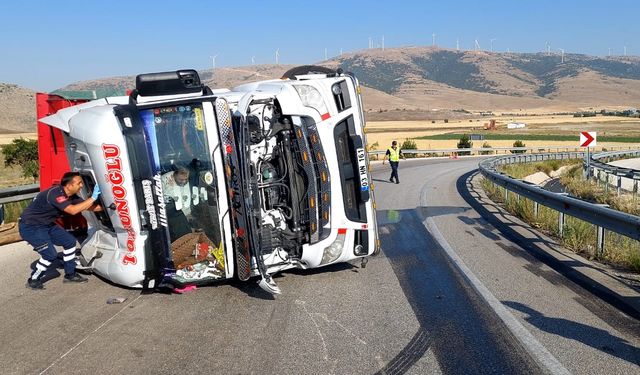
{"points": [[253, 60], [277, 55], [457, 44], [477, 45], [433, 39], [325, 54], [625, 50], [383, 42], [609, 51], [370, 43], [214, 60], [548, 48], [491, 41], [562, 55]]}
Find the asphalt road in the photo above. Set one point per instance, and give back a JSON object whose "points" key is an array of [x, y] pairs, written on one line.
{"points": [[411, 310]]}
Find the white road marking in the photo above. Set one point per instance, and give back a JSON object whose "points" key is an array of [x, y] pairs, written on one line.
{"points": [[89, 335]]}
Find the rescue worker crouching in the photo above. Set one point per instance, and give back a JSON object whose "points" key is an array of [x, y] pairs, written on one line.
{"points": [[37, 225]]}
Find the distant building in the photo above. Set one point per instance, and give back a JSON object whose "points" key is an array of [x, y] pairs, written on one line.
{"points": [[516, 125]]}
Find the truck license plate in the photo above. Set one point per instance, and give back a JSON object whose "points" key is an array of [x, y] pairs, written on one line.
{"points": [[362, 167]]}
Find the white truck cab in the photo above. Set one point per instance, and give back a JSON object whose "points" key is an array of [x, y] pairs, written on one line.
{"points": [[201, 185]]}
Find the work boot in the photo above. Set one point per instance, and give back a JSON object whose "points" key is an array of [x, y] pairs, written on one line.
{"points": [[391, 180], [74, 278], [34, 284]]}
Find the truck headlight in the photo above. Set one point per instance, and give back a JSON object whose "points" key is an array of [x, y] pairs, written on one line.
{"points": [[333, 251], [311, 97]]}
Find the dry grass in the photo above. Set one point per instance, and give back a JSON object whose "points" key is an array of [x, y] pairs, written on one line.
{"points": [[579, 236], [521, 170]]}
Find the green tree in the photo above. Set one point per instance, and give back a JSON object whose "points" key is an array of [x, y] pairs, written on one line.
{"points": [[464, 142], [518, 143], [23, 153]]}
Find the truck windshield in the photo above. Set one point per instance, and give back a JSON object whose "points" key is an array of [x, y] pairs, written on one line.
{"points": [[177, 136]]}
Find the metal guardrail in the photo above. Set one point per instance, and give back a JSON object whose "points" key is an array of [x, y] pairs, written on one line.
{"points": [[18, 193], [491, 150], [603, 172], [601, 216]]}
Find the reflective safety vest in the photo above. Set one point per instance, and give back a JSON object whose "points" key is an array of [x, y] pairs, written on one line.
{"points": [[394, 155]]}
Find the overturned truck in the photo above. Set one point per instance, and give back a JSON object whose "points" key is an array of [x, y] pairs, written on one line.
{"points": [[202, 185]]}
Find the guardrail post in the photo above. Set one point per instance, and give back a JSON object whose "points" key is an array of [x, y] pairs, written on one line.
{"points": [[535, 210], [606, 181], [619, 184], [635, 187], [560, 224], [506, 195], [600, 244]]}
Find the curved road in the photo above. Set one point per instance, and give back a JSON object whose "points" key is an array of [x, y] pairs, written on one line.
{"points": [[411, 310]]}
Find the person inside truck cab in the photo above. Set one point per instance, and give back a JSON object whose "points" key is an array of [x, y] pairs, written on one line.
{"points": [[37, 225], [178, 199]]}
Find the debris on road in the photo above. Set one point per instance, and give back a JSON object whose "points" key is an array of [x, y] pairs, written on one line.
{"points": [[113, 301]]}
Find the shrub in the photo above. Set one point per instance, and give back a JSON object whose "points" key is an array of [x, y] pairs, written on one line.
{"points": [[486, 145], [409, 144], [518, 143]]}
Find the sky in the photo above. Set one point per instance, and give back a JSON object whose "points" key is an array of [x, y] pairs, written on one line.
{"points": [[47, 44]]}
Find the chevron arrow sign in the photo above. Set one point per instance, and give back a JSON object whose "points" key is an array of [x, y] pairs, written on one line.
{"points": [[588, 139]]}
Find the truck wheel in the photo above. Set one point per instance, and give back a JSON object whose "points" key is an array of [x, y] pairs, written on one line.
{"points": [[308, 69]]}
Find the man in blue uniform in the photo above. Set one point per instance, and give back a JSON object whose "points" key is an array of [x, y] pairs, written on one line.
{"points": [[37, 226]]}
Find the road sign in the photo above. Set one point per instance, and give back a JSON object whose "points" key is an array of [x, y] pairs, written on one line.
{"points": [[588, 139]]}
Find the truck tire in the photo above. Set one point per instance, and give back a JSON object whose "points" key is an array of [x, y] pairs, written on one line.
{"points": [[309, 69]]}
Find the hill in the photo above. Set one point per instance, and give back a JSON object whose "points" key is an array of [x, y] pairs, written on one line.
{"points": [[432, 78], [18, 114], [417, 83]]}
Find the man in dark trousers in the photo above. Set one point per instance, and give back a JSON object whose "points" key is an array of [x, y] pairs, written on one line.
{"points": [[37, 226], [394, 153]]}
